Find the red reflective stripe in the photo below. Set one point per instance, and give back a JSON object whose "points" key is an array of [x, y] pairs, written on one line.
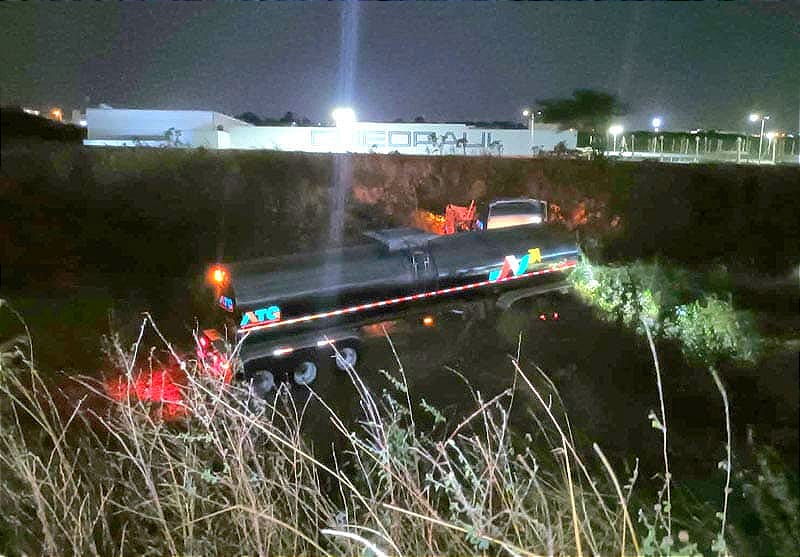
{"points": [[393, 301]]}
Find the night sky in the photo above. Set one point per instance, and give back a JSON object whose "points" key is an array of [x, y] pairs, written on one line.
{"points": [[695, 64]]}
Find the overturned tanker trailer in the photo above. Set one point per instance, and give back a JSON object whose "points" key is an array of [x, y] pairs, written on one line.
{"points": [[291, 312]]}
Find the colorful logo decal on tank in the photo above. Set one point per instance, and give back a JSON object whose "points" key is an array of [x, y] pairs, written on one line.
{"points": [[225, 303], [513, 267], [261, 316]]}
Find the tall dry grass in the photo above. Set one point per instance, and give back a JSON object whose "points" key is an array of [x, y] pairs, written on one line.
{"points": [[241, 476]]}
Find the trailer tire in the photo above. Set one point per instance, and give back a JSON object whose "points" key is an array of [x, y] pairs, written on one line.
{"points": [[305, 373], [262, 383], [346, 358]]}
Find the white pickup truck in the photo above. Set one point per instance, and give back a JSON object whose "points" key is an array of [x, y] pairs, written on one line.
{"points": [[503, 213]]}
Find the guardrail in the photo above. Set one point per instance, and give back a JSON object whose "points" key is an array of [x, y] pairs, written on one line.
{"points": [[697, 158]]}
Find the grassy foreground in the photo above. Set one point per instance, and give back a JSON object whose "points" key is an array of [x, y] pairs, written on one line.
{"points": [[241, 476]]}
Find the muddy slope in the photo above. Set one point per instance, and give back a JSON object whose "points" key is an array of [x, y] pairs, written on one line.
{"points": [[158, 211]]}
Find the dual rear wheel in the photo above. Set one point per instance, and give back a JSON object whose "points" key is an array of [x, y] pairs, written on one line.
{"points": [[304, 372], [346, 357]]}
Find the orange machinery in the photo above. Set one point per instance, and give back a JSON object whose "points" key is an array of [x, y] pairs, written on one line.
{"points": [[459, 219]]}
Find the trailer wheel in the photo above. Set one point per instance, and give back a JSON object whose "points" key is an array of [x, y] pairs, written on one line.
{"points": [[262, 382], [305, 373], [346, 358]]}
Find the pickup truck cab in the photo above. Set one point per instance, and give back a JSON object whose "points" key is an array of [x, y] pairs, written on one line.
{"points": [[504, 213]]}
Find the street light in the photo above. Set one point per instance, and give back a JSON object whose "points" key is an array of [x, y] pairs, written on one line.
{"points": [[530, 115], [343, 116], [773, 146], [615, 130], [755, 117], [656, 123]]}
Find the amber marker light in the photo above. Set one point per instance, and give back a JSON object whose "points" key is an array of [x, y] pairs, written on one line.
{"points": [[218, 276]]}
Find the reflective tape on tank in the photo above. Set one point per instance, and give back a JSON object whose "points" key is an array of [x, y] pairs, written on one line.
{"points": [[409, 298]]}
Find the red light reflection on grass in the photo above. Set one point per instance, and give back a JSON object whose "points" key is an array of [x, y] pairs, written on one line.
{"points": [[165, 387]]}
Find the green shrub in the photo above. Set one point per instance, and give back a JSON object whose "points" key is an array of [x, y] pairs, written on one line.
{"points": [[674, 303], [711, 328]]}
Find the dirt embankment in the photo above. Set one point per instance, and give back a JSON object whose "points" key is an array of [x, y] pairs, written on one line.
{"points": [[158, 211]]}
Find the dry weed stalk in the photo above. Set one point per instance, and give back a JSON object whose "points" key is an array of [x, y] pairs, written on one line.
{"points": [[243, 476]]}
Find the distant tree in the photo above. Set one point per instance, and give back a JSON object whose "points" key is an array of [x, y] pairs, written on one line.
{"points": [[587, 110], [250, 117], [398, 120], [560, 149], [506, 125], [434, 139], [288, 119], [173, 137], [496, 146], [419, 120], [462, 143], [443, 142], [439, 141]]}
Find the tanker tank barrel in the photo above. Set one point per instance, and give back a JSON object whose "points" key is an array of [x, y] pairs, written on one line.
{"points": [[395, 268]]}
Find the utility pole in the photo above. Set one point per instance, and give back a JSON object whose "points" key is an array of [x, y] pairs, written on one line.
{"points": [[774, 142], [755, 117], [531, 114]]}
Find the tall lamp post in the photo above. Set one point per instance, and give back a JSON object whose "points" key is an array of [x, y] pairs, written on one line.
{"points": [[755, 117], [530, 115], [615, 130], [772, 137], [656, 128]]}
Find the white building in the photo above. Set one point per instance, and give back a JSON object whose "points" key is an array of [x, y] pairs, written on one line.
{"points": [[132, 127], [212, 130]]}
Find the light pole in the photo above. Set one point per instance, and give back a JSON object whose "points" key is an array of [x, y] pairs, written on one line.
{"points": [[530, 115], [656, 122], [755, 118], [771, 145], [615, 130]]}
